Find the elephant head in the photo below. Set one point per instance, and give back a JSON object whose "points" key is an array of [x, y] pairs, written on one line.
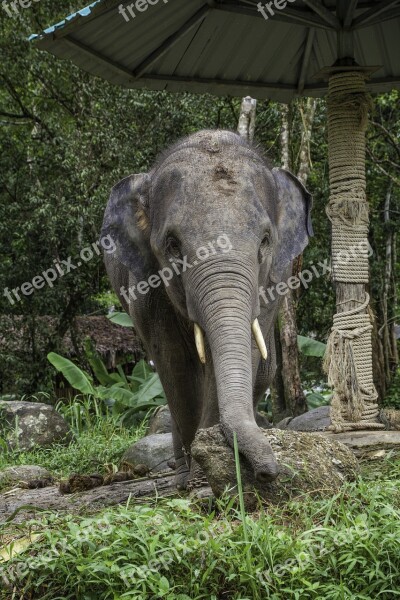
{"points": [[215, 210]]}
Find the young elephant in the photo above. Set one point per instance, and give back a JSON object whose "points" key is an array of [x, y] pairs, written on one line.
{"points": [[197, 239]]}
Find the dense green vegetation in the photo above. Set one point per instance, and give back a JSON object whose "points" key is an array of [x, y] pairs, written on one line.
{"points": [[67, 137], [97, 446], [344, 547]]}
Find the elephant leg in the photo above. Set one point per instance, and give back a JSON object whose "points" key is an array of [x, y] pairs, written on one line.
{"points": [[169, 344], [177, 375], [209, 418]]}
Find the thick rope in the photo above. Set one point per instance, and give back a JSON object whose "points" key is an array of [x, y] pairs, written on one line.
{"points": [[348, 359], [348, 362]]}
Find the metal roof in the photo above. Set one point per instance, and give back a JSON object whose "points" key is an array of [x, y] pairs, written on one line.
{"points": [[228, 47]]}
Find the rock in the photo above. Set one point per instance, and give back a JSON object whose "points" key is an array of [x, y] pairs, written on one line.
{"points": [[262, 421], [28, 424], [27, 476], [390, 418], [284, 423], [161, 421], [317, 419], [309, 463], [154, 451]]}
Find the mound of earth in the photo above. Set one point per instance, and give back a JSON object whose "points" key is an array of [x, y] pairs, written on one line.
{"points": [[309, 463]]}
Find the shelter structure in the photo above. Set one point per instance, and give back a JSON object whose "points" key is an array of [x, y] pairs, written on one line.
{"points": [[342, 49], [114, 344]]}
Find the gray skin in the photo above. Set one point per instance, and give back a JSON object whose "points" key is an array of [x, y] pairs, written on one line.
{"points": [[209, 185]]}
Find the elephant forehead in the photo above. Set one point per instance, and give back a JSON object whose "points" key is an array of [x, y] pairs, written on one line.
{"points": [[234, 160], [227, 175], [211, 191]]}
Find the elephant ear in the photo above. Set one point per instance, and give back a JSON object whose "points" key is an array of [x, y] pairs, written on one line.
{"points": [[294, 225], [125, 219]]}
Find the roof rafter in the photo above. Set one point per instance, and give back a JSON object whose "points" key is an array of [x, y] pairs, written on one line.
{"points": [[114, 66], [350, 11], [388, 15], [306, 60], [374, 12], [323, 12], [289, 15], [171, 41]]}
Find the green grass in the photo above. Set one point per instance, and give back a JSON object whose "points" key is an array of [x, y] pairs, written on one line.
{"points": [[343, 547], [340, 548], [102, 443]]}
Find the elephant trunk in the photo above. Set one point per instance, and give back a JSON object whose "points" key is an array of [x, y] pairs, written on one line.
{"points": [[226, 309]]}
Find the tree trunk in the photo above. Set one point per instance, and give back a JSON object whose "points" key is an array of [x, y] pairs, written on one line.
{"points": [[19, 505], [294, 398], [387, 345], [279, 408], [389, 295], [395, 350], [247, 118]]}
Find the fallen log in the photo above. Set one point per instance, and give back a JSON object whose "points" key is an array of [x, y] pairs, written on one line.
{"points": [[17, 504]]}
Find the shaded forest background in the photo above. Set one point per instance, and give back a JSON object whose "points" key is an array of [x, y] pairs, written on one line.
{"points": [[66, 138]]}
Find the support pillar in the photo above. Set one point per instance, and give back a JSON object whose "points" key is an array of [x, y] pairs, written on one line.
{"points": [[349, 355]]}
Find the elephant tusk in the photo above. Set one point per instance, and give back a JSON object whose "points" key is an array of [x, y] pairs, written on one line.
{"points": [[258, 336], [199, 340]]}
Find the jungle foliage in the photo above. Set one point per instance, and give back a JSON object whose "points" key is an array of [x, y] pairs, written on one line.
{"points": [[67, 138]]}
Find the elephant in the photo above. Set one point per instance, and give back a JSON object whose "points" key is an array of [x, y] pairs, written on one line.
{"points": [[196, 240]]}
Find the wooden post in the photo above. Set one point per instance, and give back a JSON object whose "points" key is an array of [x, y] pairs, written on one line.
{"points": [[349, 355]]}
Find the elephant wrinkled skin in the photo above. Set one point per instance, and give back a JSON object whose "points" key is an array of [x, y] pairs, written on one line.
{"points": [[213, 210]]}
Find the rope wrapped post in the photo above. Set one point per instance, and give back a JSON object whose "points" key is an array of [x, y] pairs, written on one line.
{"points": [[348, 359]]}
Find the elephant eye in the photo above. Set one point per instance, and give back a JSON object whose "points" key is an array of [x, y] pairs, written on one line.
{"points": [[173, 247], [265, 243], [266, 240]]}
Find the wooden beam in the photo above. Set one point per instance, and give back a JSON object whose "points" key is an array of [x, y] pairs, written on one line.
{"points": [[325, 14], [366, 18], [252, 88], [171, 41], [289, 15], [217, 82], [114, 66], [316, 90], [388, 15], [345, 37], [349, 14], [306, 60]]}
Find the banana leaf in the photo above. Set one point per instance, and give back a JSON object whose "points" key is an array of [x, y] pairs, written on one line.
{"points": [[77, 378]]}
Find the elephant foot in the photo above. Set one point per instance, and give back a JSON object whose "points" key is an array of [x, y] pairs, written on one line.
{"points": [[182, 473], [181, 479], [190, 479]]}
